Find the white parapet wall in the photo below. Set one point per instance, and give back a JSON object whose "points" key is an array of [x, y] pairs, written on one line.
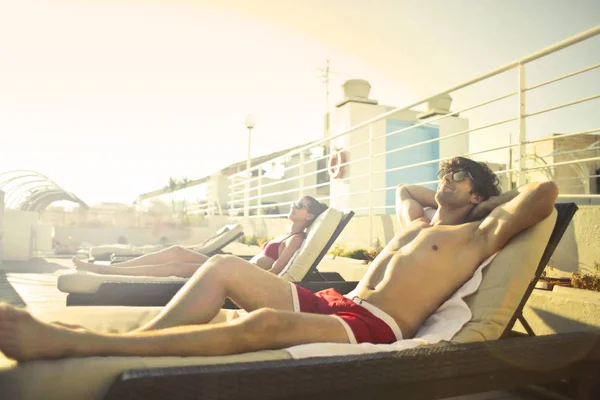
{"points": [[44, 235], [18, 241], [1, 222]]}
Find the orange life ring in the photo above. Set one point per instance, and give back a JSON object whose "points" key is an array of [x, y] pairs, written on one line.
{"points": [[337, 159]]}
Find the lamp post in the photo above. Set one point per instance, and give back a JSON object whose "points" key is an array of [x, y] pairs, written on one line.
{"points": [[250, 122]]}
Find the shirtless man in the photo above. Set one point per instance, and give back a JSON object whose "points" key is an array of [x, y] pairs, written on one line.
{"points": [[472, 222]]}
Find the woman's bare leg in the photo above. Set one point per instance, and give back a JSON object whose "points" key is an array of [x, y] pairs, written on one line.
{"points": [[25, 338], [173, 253], [201, 298], [183, 270]]}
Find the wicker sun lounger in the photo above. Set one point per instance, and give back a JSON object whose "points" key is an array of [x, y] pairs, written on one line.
{"points": [[159, 293], [475, 360], [571, 360], [423, 373]]}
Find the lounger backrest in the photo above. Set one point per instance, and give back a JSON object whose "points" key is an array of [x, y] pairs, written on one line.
{"points": [[565, 211], [317, 238], [224, 236], [504, 283]]}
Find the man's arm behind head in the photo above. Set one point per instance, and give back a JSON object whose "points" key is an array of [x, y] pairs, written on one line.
{"points": [[410, 201], [533, 203]]}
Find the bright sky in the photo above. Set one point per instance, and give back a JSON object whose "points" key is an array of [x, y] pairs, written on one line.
{"points": [[110, 98]]}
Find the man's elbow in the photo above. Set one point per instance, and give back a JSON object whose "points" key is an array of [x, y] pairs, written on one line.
{"points": [[400, 188]]}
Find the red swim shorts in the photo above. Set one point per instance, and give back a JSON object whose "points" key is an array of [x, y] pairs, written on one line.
{"points": [[361, 324]]}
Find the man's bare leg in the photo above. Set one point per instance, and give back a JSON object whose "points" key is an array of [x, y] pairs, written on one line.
{"points": [[25, 338], [201, 298], [175, 268], [173, 253]]}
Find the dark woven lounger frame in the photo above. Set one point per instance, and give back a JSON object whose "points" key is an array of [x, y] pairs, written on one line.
{"points": [[424, 373]]}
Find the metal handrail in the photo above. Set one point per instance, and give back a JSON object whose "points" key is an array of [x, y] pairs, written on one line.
{"points": [[520, 167]]}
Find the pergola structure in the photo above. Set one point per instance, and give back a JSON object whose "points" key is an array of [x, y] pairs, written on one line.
{"points": [[31, 191]]}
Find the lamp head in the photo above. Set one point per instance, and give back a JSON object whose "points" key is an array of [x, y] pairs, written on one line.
{"points": [[250, 121]]}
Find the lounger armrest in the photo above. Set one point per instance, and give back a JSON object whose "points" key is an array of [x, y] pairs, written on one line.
{"points": [[428, 372]]}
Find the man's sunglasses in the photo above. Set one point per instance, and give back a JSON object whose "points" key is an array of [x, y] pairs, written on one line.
{"points": [[457, 176]]}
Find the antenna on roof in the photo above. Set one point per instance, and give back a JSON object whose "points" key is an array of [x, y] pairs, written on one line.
{"points": [[326, 79]]}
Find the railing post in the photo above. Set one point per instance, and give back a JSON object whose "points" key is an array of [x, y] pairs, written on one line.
{"points": [[259, 193], [371, 211], [301, 174], [230, 193], [521, 178]]}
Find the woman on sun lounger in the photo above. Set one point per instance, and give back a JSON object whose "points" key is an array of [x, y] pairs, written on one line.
{"points": [[179, 261]]}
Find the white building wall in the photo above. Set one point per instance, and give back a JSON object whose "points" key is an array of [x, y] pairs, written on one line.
{"points": [[351, 192], [19, 234], [1, 224], [356, 146]]}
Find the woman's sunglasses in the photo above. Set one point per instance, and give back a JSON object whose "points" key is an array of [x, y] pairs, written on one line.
{"points": [[457, 176], [299, 205]]}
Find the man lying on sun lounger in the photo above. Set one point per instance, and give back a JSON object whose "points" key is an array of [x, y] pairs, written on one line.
{"points": [[417, 271]]}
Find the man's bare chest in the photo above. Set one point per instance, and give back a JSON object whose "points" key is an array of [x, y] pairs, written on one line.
{"points": [[434, 240]]}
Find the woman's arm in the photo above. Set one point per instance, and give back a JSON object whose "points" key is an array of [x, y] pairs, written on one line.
{"points": [[291, 246]]}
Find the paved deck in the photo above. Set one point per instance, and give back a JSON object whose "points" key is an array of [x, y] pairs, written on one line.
{"points": [[33, 285]]}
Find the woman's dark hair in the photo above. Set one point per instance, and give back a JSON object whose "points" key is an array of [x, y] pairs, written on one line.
{"points": [[314, 207], [485, 181]]}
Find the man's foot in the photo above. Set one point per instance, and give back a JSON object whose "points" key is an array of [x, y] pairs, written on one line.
{"points": [[25, 338], [86, 266]]}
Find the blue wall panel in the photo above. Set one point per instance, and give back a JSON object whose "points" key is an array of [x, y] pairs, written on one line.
{"points": [[425, 152]]}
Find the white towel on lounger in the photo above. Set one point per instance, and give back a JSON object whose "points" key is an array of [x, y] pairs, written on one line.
{"points": [[441, 325]]}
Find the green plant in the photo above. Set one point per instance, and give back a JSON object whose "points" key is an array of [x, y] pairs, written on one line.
{"points": [[261, 240], [174, 185], [587, 281], [336, 250], [367, 255], [357, 254], [253, 240]]}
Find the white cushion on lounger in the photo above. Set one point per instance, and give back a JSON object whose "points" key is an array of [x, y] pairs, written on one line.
{"points": [[317, 236], [91, 377], [119, 249], [479, 310], [504, 283], [89, 282]]}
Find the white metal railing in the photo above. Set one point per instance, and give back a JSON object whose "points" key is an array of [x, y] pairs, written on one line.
{"points": [[373, 160]]}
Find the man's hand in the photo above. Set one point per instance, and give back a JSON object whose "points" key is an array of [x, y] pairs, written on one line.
{"points": [[482, 210]]}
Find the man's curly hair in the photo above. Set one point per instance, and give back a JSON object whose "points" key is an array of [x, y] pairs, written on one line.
{"points": [[485, 181]]}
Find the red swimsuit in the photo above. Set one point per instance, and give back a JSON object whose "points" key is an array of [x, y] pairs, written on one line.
{"points": [[271, 249]]}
